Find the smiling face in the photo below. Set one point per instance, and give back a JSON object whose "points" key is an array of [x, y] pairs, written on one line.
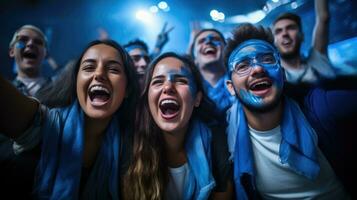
{"points": [[101, 81], [172, 95], [261, 86], [29, 51], [287, 37], [208, 48]]}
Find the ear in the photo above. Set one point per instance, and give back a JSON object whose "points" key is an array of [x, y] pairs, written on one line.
{"points": [[230, 87], [198, 99], [11, 52]]}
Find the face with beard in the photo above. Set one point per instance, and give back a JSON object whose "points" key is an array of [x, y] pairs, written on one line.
{"points": [[256, 75], [287, 38]]}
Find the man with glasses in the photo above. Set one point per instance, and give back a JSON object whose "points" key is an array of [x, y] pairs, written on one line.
{"points": [[280, 149]]}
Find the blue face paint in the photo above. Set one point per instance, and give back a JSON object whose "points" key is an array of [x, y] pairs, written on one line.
{"points": [[211, 38], [173, 76], [250, 54], [20, 45]]}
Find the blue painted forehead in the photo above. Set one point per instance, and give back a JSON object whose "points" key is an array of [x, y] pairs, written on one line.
{"points": [[260, 46], [254, 42]]}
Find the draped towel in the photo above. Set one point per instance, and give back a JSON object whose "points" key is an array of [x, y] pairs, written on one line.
{"points": [[58, 173], [200, 181], [298, 146]]}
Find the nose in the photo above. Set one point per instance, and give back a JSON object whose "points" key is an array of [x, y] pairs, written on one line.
{"points": [[257, 70], [99, 73], [30, 43], [142, 64], [168, 87]]}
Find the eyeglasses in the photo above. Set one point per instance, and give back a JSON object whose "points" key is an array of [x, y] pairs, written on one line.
{"points": [[244, 66]]}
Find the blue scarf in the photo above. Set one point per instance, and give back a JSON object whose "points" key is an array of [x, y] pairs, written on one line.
{"points": [[297, 148], [59, 169], [219, 94], [199, 182]]}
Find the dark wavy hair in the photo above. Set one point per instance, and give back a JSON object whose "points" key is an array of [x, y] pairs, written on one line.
{"points": [[62, 91], [148, 174]]}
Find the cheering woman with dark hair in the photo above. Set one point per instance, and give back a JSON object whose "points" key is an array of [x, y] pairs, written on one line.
{"points": [[179, 153], [75, 147]]}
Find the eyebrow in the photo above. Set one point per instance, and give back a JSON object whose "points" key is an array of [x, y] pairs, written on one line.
{"points": [[175, 76], [91, 60]]}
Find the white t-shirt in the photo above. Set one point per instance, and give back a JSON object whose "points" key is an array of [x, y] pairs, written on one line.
{"points": [[176, 183], [314, 67], [275, 180]]}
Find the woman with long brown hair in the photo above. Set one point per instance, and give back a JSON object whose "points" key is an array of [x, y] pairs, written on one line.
{"points": [[179, 150]]}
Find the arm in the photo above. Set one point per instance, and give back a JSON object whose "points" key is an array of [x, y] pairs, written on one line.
{"points": [[195, 28], [222, 167], [16, 110], [161, 40], [228, 194], [320, 34]]}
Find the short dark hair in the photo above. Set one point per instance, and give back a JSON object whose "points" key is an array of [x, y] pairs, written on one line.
{"points": [[294, 17], [192, 47], [137, 42], [246, 32]]}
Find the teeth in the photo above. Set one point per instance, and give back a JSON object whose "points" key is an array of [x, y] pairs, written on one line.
{"points": [[100, 88], [169, 101], [260, 83], [209, 49]]}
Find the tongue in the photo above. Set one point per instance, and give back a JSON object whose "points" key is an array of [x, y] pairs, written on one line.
{"points": [[100, 98], [170, 112]]}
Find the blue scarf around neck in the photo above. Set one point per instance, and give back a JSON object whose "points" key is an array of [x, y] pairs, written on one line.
{"points": [[58, 173], [219, 94], [199, 182], [298, 147]]}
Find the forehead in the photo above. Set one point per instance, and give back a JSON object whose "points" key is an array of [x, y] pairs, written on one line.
{"points": [[254, 49], [102, 51], [283, 23], [137, 51], [170, 65], [30, 33]]}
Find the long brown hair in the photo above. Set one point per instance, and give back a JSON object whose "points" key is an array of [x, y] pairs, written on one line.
{"points": [[148, 174]]}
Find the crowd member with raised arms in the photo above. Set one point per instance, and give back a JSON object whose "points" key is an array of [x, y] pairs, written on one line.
{"points": [[288, 36], [139, 52]]}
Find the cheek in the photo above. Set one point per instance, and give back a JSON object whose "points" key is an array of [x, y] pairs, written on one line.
{"points": [[152, 99]]}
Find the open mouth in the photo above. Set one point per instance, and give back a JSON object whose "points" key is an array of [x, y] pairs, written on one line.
{"points": [[30, 55], [260, 86], [286, 42], [169, 108], [209, 51], [98, 94]]}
